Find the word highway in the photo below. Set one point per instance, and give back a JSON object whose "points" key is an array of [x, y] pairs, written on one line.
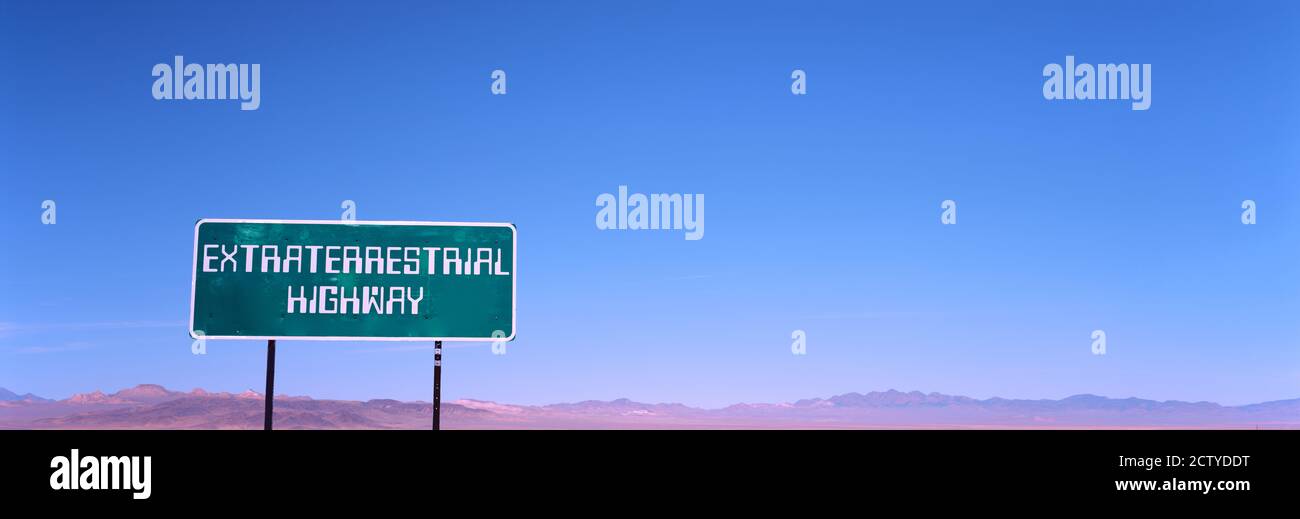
{"points": [[348, 259]]}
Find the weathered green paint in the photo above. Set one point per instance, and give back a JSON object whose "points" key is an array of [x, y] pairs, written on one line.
{"points": [[231, 302]]}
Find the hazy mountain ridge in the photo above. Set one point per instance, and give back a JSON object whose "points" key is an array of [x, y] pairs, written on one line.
{"points": [[150, 406], [9, 396]]}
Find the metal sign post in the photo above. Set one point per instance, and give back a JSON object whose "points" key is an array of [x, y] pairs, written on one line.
{"points": [[270, 384], [437, 385]]}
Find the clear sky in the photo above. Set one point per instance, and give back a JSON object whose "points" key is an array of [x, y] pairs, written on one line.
{"points": [[822, 213]]}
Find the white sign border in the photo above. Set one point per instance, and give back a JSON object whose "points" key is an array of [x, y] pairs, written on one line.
{"points": [[514, 281]]}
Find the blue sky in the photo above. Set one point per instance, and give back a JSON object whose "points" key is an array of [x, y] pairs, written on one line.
{"points": [[822, 210]]}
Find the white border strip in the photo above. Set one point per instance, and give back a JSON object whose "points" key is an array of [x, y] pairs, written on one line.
{"points": [[514, 280]]}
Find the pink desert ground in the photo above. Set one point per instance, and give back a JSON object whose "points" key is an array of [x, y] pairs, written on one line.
{"points": [[150, 406]]}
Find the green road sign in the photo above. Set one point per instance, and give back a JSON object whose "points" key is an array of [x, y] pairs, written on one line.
{"points": [[352, 280]]}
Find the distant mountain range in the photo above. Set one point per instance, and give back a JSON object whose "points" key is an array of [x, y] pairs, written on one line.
{"points": [[150, 406], [9, 396]]}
